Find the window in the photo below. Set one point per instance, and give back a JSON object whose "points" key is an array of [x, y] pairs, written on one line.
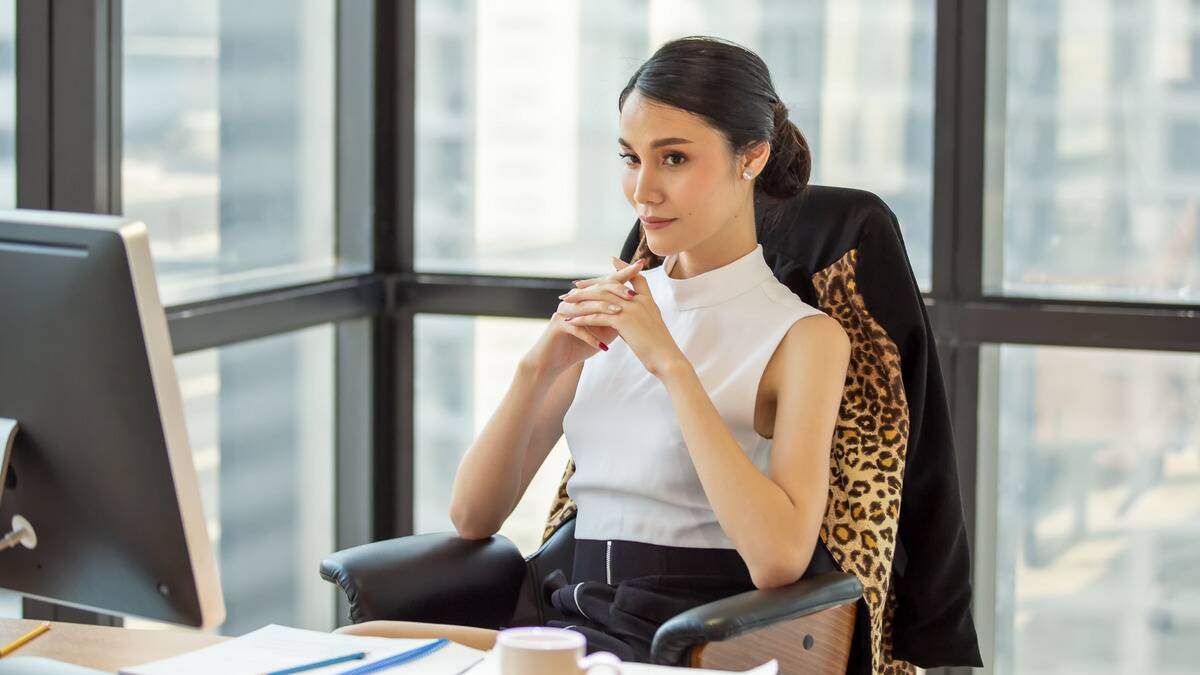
{"points": [[1093, 457], [1184, 141], [518, 174], [229, 142], [260, 418], [1100, 200], [10, 605], [464, 367], [8, 104]]}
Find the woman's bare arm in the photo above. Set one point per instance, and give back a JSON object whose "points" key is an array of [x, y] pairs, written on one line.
{"points": [[496, 470], [548, 426], [773, 520]]}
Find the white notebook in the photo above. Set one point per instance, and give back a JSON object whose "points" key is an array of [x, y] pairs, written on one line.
{"points": [[277, 647]]}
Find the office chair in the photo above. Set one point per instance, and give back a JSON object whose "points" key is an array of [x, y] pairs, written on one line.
{"points": [[838, 617]]}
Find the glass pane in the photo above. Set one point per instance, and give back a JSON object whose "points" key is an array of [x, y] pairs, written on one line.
{"points": [[229, 141], [8, 104], [1095, 150], [260, 418], [10, 603], [1095, 467], [516, 119], [464, 367]]}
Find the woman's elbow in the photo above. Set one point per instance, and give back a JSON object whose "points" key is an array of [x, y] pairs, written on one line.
{"points": [[783, 570], [466, 529], [473, 534]]}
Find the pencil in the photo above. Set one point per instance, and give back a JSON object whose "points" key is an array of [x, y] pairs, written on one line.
{"points": [[320, 664], [397, 659], [16, 644]]}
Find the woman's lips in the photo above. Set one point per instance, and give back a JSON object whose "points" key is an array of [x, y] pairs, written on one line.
{"points": [[656, 225]]}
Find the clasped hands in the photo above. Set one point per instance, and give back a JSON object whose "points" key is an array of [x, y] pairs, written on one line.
{"points": [[605, 302]]}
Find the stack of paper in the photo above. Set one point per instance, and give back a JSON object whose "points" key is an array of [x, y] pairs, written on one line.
{"points": [[279, 647]]}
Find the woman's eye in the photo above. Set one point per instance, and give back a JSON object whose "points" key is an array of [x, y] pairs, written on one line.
{"points": [[632, 158]]}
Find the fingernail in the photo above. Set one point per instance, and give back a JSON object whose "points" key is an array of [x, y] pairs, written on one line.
{"points": [[603, 346], [631, 292], [568, 318], [615, 308]]}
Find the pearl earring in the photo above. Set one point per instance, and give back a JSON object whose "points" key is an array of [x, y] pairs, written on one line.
{"points": [[747, 175]]}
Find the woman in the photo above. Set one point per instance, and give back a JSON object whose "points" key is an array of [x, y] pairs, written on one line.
{"points": [[689, 488]]}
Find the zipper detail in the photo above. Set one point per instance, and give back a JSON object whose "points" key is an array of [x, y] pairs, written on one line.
{"points": [[608, 561]]}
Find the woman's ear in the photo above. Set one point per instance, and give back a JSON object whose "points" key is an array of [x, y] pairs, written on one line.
{"points": [[755, 158]]}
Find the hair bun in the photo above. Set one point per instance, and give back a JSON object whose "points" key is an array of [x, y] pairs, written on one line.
{"points": [[790, 164], [781, 116]]}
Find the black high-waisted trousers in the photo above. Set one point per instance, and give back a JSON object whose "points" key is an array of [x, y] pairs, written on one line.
{"points": [[620, 592]]}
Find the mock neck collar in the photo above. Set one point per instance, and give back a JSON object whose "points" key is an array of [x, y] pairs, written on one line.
{"points": [[716, 285]]}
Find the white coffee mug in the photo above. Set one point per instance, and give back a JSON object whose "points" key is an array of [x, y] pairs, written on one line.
{"points": [[543, 650]]}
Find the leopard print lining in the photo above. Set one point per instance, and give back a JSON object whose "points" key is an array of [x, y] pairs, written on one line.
{"points": [[870, 444], [867, 468], [563, 507]]}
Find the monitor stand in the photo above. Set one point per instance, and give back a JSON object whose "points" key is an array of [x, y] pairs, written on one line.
{"points": [[22, 532]]}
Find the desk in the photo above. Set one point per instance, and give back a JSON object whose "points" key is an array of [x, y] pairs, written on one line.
{"points": [[102, 647]]}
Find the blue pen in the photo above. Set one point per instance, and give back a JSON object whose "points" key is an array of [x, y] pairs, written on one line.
{"points": [[319, 664], [397, 659]]}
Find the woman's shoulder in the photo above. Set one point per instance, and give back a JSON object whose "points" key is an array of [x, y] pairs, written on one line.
{"points": [[811, 326], [786, 299]]}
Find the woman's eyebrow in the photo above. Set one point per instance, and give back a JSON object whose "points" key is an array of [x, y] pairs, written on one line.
{"points": [[659, 143]]}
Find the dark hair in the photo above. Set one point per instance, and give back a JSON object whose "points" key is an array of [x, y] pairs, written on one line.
{"points": [[730, 88]]}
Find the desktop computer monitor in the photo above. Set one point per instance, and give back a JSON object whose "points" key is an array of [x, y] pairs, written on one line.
{"points": [[99, 498]]}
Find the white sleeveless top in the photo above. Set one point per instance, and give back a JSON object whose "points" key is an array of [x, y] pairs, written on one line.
{"points": [[634, 479]]}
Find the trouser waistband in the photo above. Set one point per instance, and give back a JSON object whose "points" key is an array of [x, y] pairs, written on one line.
{"points": [[595, 561], [615, 560]]}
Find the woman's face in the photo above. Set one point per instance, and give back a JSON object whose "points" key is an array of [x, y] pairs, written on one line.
{"points": [[692, 177]]}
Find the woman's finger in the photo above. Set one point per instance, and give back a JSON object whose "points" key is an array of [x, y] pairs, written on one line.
{"points": [[576, 309], [585, 335], [628, 271], [602, 319], [599, 292], [622, 275]]}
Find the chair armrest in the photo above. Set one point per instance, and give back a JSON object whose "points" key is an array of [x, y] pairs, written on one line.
{"points": [[438, 578], [729, 617]]}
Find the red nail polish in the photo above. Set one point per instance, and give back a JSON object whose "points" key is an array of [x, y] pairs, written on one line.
{"points": [[603, 346], [631, 293]]}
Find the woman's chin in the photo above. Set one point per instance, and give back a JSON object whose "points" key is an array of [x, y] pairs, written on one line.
{"points": [[655, 242]]}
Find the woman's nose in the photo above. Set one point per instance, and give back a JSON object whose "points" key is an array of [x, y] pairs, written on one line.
{"points": [[646, 190]]}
